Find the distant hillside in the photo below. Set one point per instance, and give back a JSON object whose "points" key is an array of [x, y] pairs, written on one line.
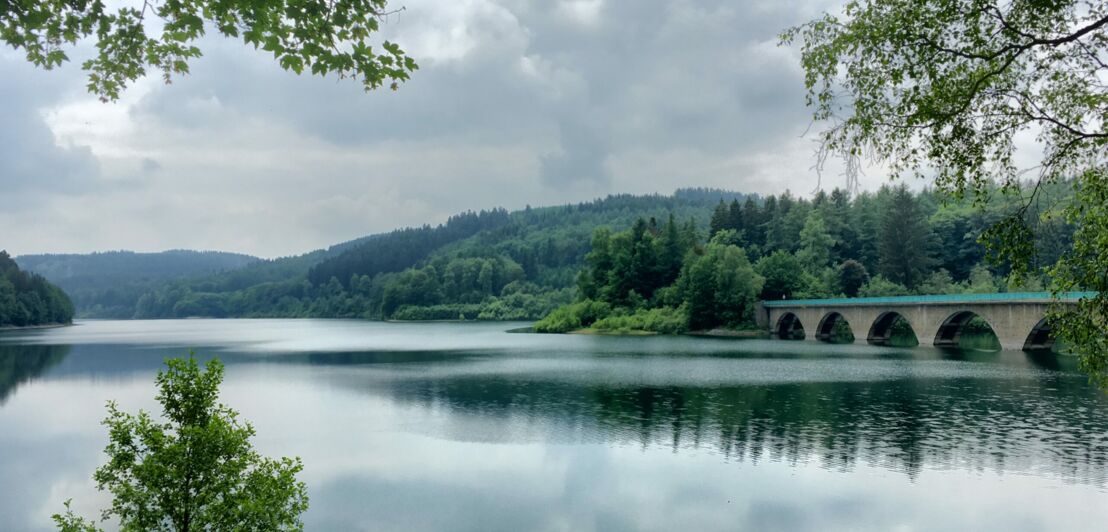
{"points": [[27, 299], [108, 284], [494, 264]]}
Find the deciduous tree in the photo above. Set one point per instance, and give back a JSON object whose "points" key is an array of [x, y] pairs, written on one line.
{"points": [[942, 89], [319, 36], [196, 469]]}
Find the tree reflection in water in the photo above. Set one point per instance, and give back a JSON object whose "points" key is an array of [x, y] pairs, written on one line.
{"points": [[23, 363], [1012, 424]]}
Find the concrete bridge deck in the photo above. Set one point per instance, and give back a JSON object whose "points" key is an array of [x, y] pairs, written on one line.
{"points": [[1017, 318]]}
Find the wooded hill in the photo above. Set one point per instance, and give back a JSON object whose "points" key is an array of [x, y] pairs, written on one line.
{"points": [[501, 265], [108, 284], [28, 299]]}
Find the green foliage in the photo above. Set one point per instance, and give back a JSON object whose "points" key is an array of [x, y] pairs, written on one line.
{"points": [[781, 271], [197, 469], [852, 277], [28, 299], [716, 285], [942, 89], [573, 317], [663, 320], [905, 243], [627, 251], [939, 282], [879, 286], [1083, 328], [477, 259], [108, 285], [816, 243], [320, 36], [981, 281]]}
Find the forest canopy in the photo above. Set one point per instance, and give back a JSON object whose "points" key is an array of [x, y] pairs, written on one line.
{"points": [[28, 299], [521, 265]]}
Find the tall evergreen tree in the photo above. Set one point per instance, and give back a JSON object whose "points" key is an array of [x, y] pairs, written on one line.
{"points": [[720, 219], [905, 243], [815, 243], [735, 220], [752, 222], [670, 252]]}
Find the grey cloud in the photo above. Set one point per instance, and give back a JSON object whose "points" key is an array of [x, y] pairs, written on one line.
{"points": [[582, 156], [31, 162], [516, 102]]}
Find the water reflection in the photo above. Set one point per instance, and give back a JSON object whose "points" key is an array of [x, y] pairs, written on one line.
{"points": [[1049, 422], [23, 363], [477, 429]]}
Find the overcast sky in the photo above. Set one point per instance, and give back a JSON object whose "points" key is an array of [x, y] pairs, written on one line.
{"points": [[516, 102]]}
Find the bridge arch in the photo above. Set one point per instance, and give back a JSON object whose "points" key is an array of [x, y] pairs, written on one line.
{"points": [[882, 330], [951, 330], [1041, 337], [825, 331], [789, 327]]}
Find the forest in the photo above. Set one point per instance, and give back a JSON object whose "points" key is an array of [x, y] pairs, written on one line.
{"points": [[28, 299], [108, 284], [894, 242], [696, 259], [491, 265]]}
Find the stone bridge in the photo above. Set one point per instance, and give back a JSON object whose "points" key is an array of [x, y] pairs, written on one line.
{"points": [[1017, 318]]}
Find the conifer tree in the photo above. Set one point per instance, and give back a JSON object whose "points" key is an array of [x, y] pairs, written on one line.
{"points": [[905, 242]]}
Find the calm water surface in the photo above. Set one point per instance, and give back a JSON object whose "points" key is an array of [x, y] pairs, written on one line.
{"points": [[466, 427]]}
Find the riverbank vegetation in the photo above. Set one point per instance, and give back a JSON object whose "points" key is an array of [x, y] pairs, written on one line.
{"points": [[28, 299]]}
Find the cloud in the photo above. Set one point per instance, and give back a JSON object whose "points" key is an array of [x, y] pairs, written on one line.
{"points": [[32, 163], [517, 102]]}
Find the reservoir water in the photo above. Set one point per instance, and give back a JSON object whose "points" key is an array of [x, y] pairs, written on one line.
{"points": [[452, 426]]}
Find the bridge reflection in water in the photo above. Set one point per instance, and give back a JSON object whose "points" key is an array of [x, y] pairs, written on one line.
{"points": [[1017, 318]]}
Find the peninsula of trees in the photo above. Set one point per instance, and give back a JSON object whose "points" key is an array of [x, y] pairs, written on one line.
{"points": [[27, 299]]}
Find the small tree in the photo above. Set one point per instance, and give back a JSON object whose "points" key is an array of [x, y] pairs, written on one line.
{"points": [[852, 276], [195, 471]]}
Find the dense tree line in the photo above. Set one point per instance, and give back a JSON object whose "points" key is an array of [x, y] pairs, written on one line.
{"points": [[661, 279], [891, 242], [401, 248], [109, 284], [28, 299], [522, 264], [491, 265]]}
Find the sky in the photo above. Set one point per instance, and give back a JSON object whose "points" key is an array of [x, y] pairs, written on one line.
{"points": [[516, 103]]}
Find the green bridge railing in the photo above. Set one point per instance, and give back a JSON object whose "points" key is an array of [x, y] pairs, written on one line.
{"points": [[935, 299]]}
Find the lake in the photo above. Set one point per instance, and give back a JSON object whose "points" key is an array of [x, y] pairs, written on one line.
{"points": [[463, 426]]}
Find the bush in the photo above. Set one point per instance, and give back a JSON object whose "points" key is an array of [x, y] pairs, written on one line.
{"points": [[573, 317], [664, 320], [879, 286]]}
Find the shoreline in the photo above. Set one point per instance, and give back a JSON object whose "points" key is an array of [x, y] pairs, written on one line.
{"points": [[7, 328], [712, 333]]}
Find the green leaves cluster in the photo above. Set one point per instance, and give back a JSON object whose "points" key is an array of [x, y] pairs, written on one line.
{"points": [[320, 36], [942, 89], [194, 470]]}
